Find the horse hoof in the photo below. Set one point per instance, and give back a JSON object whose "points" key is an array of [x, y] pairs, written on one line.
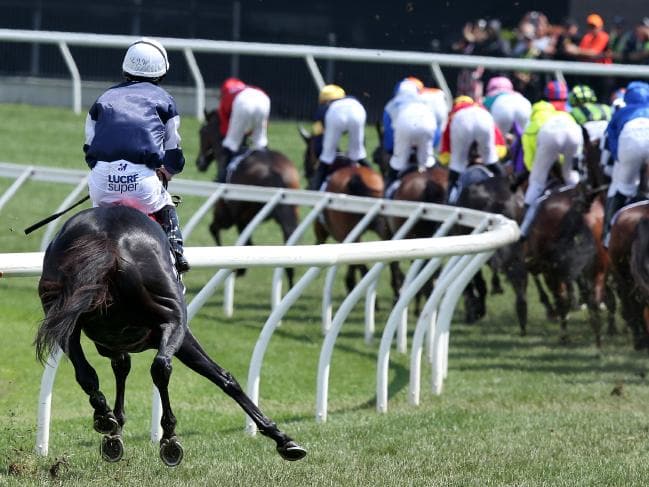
{"points": [[171, 451], [291, 451], [112, 448], [106, 425]]}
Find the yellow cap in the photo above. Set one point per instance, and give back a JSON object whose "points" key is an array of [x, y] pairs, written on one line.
{"points": [[462, 99], [330, 93]]}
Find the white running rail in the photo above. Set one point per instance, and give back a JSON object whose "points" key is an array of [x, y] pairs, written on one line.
{"points": [[309, 54], [467, 252]]}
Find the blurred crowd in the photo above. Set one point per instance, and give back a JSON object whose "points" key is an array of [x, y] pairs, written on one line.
{"points": [[617, 40]]}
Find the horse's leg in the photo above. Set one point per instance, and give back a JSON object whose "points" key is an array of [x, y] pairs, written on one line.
{"points": [[496, 287], [350, 277], [121, 368], [470, 313], [550, 312], [171, 451], [481, 289], [611, 308], [588, 295], [561, 294], [286, 217], [121, 365], [104, 421], [517, 275], [193, 356]]}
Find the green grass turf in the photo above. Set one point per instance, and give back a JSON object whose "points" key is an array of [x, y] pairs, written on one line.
{"points": [[515, 410]]}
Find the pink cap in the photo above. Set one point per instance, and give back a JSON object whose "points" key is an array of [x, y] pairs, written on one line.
{"points": [[499, 84]]}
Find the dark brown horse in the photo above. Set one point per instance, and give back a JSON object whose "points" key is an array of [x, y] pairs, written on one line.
{"points": [[267, 168], [494, 195], [629, 253], [108, 273], [354, 179]]}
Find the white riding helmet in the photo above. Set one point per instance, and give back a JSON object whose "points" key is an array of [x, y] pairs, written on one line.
{"points": [[146, 58]]}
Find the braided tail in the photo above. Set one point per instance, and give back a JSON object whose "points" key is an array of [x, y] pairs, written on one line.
{"points": [[82, 286]]}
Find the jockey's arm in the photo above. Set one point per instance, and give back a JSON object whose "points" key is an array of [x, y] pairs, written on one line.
{"points": [[174, 160]]}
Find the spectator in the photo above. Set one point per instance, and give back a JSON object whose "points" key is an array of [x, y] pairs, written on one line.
{"points": [[618, 40], [637, 49], [567, 41], [493, 44], [594, 43]]}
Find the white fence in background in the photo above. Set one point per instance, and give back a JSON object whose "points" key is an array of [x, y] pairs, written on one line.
{"points": [[309, 53], [467, 254]]}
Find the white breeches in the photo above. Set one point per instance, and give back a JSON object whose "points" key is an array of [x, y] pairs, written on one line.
{"points": [[557, 137], [345, 115], [414, 127], [596, 129], [632, 154], [509, 108], [250, 112], [124, 183], [473, 124]]}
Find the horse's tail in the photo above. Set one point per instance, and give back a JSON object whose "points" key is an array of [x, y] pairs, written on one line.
{"points": [[639, 252], [357, 187], [82, 287]]}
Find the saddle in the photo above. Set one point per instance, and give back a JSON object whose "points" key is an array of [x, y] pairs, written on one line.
{"points": [[473, 175], [236, 160], [336, 165], [392, 189]]}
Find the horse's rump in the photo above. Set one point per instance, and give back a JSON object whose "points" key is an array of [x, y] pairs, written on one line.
{"points": [[82, 286]]}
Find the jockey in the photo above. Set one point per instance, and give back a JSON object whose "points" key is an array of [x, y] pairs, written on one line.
{"points": [[405, 91], [132, 132], [556, 92], [337, 113], [627, 139], [549, 136], [587, 112], [606, 160], [438, 103], [242, 109], [415, 126], [469, 122], [506, 105]]}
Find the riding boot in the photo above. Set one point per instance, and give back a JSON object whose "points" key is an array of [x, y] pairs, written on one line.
{"points": [[451, 196], [222, 173], [528, 217], [612, 205], [168, 220], [390, 177], [321, 173]]}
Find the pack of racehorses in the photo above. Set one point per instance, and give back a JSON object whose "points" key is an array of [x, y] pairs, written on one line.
{"points": [[109, 271]]}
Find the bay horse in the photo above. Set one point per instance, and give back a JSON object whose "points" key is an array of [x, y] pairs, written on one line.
{"points": [[109, 274], [590, 255], [348, 177], [266, 168], [629, 253]]}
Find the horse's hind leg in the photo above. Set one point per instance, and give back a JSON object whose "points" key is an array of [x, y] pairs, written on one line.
{"points": [[104, 421], [171, 451], [121, 368], [286, 217], [194, 357]]}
